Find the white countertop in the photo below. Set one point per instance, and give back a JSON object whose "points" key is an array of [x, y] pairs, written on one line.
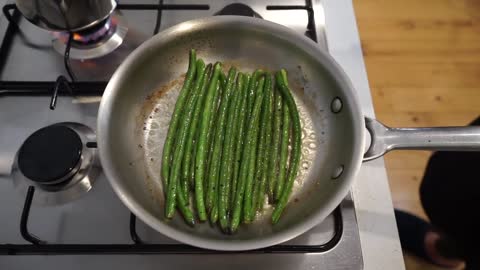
{"points": [[378, 231]]}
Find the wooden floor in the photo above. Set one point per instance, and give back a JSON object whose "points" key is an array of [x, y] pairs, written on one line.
{"points": [[423, 63]]}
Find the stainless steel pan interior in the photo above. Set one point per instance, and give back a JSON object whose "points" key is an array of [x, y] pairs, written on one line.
{"points": [[138, 102]]}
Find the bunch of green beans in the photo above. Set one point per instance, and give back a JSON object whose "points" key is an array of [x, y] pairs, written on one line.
{"points": [[227, 146]]}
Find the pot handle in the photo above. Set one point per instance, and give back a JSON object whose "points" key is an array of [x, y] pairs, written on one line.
{"points": [[385, 139]]}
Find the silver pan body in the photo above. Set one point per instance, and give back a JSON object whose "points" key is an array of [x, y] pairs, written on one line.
{"points": [[137, 104]]}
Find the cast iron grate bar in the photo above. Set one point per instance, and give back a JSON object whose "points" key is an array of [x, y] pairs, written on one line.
{"points": [[41, 247], [133, 230], [159, 17], [311, 27], [38, 88], [9, 33], [24, 219], [144, 249], [338, 227], [61, 83], [163, 7]]}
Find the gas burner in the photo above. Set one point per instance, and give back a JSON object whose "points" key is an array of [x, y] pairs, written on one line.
{"points": [[96, 41], [95, 33], [238, 9], [57, 161], [51, 155]]}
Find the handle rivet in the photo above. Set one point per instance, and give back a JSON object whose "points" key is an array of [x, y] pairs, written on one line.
{"points": [[337, 172], [337, 105]]}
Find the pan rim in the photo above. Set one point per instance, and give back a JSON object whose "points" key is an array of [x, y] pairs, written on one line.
{"points": [[142, 213]]}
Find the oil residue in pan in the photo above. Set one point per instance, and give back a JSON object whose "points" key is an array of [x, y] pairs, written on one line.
{"points": [[309, 151], [157, 112]]}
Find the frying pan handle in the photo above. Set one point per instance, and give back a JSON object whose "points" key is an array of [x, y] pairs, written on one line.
{"points": [[384, 139]]}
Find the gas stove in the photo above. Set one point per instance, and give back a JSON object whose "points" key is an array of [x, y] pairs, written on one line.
{"points": [[54, 198]]}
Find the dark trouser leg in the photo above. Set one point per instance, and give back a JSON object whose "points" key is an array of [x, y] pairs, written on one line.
{"points": [[450, 195]]}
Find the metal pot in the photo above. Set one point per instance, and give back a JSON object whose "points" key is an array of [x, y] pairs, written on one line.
{"points": [[66, 15], [130, 141]]}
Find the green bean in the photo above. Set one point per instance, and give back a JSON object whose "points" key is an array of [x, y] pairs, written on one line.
{"points": [[186, 212], [191, 172], [214, 214], [179, 151], [177, 111], [248, 98], [281, 78], [275, 147], [210, 144], [265, 140], [174, 173], [202, 147], [251, 90], [282, 166], [244, 168], [247, 204], [213, 209], [223, 80], [194, 98], [218, 139], [227, 155], [211, 131], [240, 138], [188, 161], [211, 141]]}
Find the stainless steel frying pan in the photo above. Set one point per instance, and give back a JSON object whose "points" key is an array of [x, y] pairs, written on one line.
{"points": [[137, 104]]}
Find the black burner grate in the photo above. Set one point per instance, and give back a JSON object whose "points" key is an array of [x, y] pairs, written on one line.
{"points": [[41, 247], [62, 86]]}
